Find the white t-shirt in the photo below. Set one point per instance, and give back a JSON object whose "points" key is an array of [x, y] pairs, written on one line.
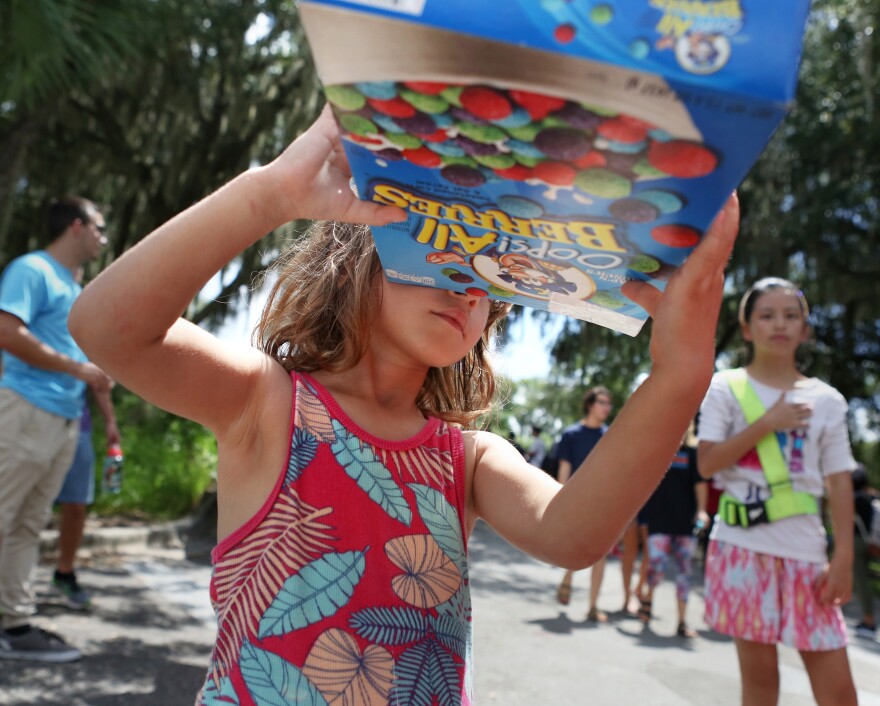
{"points": [[821, 450]]}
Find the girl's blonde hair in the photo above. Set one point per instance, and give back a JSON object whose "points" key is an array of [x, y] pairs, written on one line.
{"points": [[321, 307]]}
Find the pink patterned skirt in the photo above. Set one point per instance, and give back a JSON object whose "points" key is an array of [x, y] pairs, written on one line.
{"points": [[763, 598]]}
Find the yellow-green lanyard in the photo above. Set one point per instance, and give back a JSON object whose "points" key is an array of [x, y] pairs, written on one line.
{"points": [[784, 501]]}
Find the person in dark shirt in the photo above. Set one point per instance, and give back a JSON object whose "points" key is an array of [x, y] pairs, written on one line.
{"points": [[511, 437], [864, 511], [671, 514], [538, 450], [574, 446]]}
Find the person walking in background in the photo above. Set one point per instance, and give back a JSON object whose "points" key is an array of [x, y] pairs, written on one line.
{"points": [[776, 440], [575, 444], [713, 495], [676, 507], [41, 391], [347, 485], [629, 546], [76, 494], [865, 515], [538, 449], [511, 438], [550, 464]]}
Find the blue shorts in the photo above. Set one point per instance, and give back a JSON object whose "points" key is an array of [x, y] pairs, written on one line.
{"points": [[79, 483]]}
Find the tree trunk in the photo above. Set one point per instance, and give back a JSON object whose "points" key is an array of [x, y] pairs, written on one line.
{"points": [[14, 146]]}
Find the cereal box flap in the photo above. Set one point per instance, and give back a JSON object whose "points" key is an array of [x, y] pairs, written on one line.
{"points": [[747, 47]]}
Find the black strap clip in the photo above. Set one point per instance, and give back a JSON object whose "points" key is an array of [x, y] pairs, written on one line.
{"points": [[756, 513]]}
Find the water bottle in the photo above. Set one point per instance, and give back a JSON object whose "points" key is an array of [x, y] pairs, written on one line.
{"points": [[112, 476], [699, 527]]}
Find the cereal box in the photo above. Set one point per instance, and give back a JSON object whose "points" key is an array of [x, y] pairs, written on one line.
{"points": [[548, 151]]}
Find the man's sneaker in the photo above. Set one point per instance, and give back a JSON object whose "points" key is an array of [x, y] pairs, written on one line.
{"points": [[865, 630], [71, 592], [38, 645]]}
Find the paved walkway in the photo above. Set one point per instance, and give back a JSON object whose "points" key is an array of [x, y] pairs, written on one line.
{"points": [[147, 641], [530, 650]]}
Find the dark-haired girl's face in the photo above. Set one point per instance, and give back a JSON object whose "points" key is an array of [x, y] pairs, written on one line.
{"points": [[429, 327], [776, 324]]}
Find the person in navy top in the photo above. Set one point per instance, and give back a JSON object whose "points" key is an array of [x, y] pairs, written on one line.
{"points": [[574, 446]]}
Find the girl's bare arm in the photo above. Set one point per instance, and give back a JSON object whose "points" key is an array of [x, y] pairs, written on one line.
{"points": [[575, 524], [129, 319], [836, 585]]}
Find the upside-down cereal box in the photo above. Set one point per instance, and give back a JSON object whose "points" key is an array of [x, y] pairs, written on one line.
{"points": [[548, 151]]}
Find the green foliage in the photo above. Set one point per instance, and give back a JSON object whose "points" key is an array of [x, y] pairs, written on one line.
{"points": [[537, 402], [51, 50], [868, 453], [169, 461], [221, 86], [587, 355], [550, 405], [49, 47]]}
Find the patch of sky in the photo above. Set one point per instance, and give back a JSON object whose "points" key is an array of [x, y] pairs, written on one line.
{"points": [[526, 353], [259, 29]]}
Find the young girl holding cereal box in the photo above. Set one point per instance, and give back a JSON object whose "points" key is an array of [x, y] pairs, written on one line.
{"points": [[349, 476]]}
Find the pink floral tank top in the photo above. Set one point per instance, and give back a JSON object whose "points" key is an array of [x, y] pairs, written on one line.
{"points": [[350, 585]]}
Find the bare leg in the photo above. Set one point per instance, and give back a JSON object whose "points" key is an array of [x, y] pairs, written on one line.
{"points": [[596, 574], [830, 678], [70, 534], [642, 586], [684, 630], [563, 593], [759, 672], [682, 611], [628, 562], [647, 602]]}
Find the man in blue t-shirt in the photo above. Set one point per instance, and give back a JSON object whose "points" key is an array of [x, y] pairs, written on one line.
{"points": [[574, 446], [43, 379]]}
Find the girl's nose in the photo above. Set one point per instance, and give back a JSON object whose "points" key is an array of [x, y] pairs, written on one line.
{"points": [[472, 299]]}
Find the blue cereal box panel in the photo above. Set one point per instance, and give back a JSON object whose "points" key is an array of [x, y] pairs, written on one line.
{"points": [[548, 151]]}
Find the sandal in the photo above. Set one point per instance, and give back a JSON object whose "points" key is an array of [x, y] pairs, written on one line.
{"points": [[597, 616], [685, 631], [563, 593], [645, 614]]}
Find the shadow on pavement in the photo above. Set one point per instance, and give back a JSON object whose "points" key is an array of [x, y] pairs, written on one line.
{"points": [[560, 625], [644, 636], [488, 546], [134, 611], [97, 679], [500, 567], [139, 647]]}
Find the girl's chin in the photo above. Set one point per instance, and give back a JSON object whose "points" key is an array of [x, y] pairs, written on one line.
{"points": [[777, 350]]}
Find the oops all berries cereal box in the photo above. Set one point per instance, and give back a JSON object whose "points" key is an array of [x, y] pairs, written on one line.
{"points": [[548, 151]]}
